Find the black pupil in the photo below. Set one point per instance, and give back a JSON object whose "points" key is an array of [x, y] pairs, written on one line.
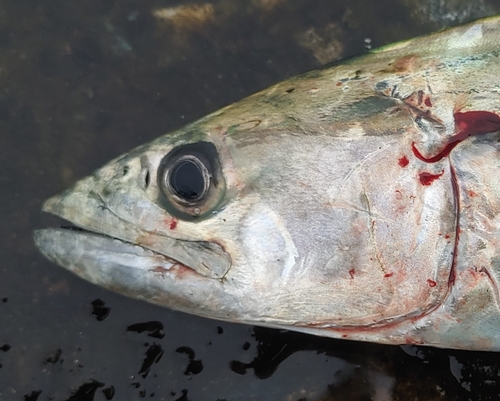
{"points": [[187, 180]]}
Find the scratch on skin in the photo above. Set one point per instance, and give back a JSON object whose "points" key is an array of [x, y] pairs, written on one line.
{"points": [[304, 265], [423, 113], [371, 228], [412, 105], [103, 206], [342, 204], [355, 168]]}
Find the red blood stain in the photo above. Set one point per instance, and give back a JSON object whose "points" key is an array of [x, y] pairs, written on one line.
{"points": [[472, 194], [451, 279], [447, 236], [338, 83], [387, 275], [428, 178], [427, 102], [467, 124], [458, 230], [173, 224], [351, 273], [403, 161], [431, 283], [410, 340], [476, 123]]}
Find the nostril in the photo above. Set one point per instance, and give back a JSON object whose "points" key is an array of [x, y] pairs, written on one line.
{"points": [[144, 178]]}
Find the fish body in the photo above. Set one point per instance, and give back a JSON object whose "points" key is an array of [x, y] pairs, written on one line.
{"points": [[358, 201]]}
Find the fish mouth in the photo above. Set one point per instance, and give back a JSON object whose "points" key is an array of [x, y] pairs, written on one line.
{"points": [[101, 240], [88, 254]]}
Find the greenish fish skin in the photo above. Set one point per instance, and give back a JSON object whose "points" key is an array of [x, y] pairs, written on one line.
{"points": [[358, 201]]}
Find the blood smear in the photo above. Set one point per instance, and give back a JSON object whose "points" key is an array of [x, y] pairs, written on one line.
{"points": [[403, 161], [469, 123], [428, 178]]}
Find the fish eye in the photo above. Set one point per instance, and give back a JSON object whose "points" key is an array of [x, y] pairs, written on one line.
{"points": [[190, 180]]}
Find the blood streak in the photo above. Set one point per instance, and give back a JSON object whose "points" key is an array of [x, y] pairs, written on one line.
{"points": [[431, 283], [403, 161], [428, 178], [173, 224], [387, 275], [351, 273], [469, 123]]}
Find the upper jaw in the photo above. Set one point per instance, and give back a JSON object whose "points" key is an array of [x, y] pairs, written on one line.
{"points": [[89, 211]]}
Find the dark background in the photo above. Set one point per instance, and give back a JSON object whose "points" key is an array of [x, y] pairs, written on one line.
{"points": [[84, 81]]}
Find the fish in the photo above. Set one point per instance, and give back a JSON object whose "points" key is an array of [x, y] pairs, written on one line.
{"points": [[358, 201]]}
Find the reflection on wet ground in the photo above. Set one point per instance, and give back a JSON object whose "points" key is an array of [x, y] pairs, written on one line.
{"points": [[82, 82], [269, 365]]}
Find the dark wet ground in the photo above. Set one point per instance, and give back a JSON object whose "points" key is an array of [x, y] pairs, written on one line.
{"points": [[82, 82]]}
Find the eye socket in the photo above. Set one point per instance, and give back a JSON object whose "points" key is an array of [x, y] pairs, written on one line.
{"points": [[190, 181]]}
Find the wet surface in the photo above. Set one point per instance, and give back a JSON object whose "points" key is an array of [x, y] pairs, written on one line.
{"points": [[81, 83]]}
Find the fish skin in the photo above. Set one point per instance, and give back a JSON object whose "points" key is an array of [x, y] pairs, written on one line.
{"points": [[357, 201]]}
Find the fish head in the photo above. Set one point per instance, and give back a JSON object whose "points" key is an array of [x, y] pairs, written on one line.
{"points": [[195, 221], [250, 222]]}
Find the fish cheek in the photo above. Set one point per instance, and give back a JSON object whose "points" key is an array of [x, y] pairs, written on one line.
{"points": [[267, 246]]}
